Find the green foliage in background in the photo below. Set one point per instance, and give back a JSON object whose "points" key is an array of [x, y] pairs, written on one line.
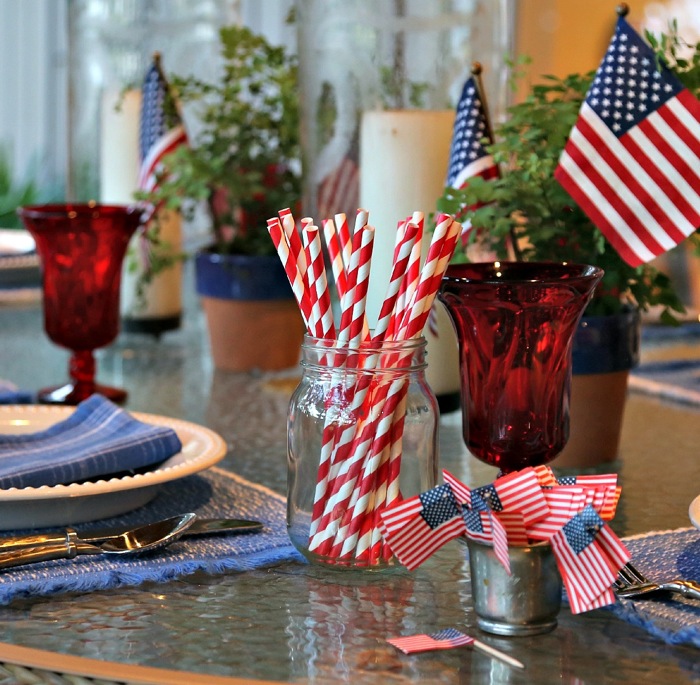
{"points": [[244, 161], [528, 208]]}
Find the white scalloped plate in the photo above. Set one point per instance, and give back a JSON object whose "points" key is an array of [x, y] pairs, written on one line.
{"points": [[61, 505], [694, 512]]}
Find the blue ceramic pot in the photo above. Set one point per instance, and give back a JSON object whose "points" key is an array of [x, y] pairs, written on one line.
{"points": [[241, 277], [605, 344]]}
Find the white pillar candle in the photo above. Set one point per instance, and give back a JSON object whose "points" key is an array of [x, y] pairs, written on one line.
{"points": [[404, 156], [162, 297], [119, 172], [119, 146]]}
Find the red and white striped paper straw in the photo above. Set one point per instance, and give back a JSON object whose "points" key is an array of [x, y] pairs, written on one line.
{"points": [[322, 313], [335, 254], [291, 267]]}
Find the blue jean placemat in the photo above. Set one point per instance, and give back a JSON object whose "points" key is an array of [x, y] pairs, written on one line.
{"points": [[214, 493], [662, 556], [677, 380]]}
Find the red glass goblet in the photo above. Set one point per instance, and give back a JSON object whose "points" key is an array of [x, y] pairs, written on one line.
{"points": [[81, 248], [515, 323]]}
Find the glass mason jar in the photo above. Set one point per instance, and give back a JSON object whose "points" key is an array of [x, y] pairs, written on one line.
{"points": [[362, 431]]}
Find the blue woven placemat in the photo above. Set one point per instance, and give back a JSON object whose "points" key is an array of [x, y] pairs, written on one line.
{"points": [[678, 380], [662, 556], [214, 493]]}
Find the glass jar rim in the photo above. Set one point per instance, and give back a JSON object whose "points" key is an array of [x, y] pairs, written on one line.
{"points": [[367, 346]]}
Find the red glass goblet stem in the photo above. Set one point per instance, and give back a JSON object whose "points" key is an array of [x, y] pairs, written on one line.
{"points": [[81, 248], [81, 369], [515, 324]]}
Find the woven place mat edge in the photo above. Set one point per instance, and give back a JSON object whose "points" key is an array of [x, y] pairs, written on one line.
{"points": [[244, 481], [648, 534]]}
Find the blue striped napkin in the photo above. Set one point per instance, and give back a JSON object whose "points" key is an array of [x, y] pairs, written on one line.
{"points": [[11, 394], [98, 440]]}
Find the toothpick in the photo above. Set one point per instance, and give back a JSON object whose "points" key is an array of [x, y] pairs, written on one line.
{"points": [[497, 654]]}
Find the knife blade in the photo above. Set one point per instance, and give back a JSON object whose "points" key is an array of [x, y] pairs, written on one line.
{"points": [[199, 527]]}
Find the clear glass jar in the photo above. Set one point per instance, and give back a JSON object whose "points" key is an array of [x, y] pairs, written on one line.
{"points": [[362, 432]]}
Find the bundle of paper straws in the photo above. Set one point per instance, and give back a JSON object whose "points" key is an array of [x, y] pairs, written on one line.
{"points": [[359, 464]]}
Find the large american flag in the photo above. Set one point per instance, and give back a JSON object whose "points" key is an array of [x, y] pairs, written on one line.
{"points": [[632, 161], [161, 130]]}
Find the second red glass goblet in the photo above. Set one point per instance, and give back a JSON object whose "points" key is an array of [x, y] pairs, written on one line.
{"points": [[515, 323]]}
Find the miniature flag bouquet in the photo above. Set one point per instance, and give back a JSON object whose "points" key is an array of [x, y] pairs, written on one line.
{"points": [[518, 509]]}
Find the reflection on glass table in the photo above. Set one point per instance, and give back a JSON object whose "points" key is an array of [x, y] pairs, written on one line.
{"points": [[292, 622]]}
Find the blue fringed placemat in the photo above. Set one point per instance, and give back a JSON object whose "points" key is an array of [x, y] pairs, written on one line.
{"points": [[214, 493], [662, 556], [677, 380]]}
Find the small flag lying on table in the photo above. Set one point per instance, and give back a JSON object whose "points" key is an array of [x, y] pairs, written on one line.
{"points": [[445, 639], [632, 161], [448, 639]]}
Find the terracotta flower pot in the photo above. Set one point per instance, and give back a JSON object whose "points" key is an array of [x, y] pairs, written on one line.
{"points": [[252, 316], [605, 349]]}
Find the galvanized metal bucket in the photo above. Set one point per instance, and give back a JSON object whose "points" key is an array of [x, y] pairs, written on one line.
{"points": [[526, 602]]}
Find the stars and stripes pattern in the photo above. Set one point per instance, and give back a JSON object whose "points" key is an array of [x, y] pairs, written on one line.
{"points": [[444, 639], [418, 527], [471, 135], [517, 510], [517, 491], [161, 128], [468, 156], [632, 161], [462, 493], [589, 557]]}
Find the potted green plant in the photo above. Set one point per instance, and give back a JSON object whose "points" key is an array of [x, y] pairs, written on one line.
{"points": [[243, 164], [525, 214]]}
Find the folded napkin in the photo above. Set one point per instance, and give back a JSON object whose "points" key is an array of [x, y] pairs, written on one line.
{"points": [[97, 440], [11, 394], [662, 556], [213, 493]]}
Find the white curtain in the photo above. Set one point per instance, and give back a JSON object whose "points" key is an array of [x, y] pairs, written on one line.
{"points": [[33, 105], [34, 76]]}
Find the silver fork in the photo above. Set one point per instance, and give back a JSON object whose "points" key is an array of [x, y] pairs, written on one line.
{"points": [[631, 583]]}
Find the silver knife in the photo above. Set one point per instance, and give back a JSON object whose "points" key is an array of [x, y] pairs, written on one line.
{"points": [[199, 527]]}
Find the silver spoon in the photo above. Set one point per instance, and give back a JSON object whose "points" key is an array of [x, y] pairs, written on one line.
{"points": [[147, 538]]}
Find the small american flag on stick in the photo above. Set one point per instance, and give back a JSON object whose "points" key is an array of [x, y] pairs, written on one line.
{"points": [[419, 526], [161, 129], [632, 161], [471, 135]]}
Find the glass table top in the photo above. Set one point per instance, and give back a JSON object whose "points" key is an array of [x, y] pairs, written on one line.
{"points": [[302, 624]]}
